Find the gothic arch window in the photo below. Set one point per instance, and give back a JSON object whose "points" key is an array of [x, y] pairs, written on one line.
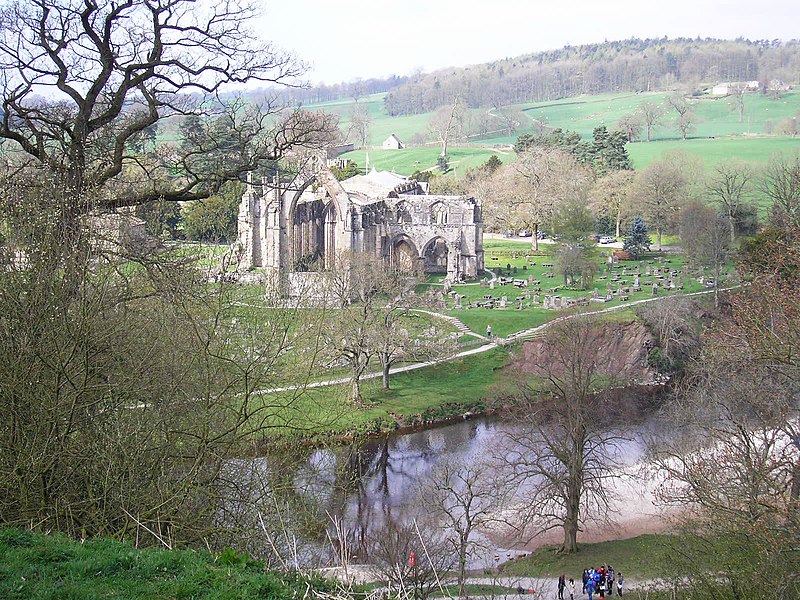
{"points": [[402, 214], [439, 213]]}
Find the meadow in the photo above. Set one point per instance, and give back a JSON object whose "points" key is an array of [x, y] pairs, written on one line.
{"points": [[718, 133]]}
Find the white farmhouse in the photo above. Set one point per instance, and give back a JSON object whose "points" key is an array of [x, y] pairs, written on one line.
{"points": [[392, 143]]}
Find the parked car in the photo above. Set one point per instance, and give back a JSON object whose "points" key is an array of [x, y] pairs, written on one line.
{"points": [[542, 235], [525, 233], [606, 239]]}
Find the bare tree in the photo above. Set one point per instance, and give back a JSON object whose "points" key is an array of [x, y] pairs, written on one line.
{"points": [[659, 191], [731, 185], [526, 193], [736, 100], [360, 122], [705, 240], [447, 122], [391, 551], [631, 125], [652, 114], [466, 496], [81, 83], [781, 184], [671, 321], [564, 455], [611, 195], [685, 124]]}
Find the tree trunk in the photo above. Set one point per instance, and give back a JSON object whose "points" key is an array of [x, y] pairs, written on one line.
{"points": [[659, 239], [535, 240], [732, 227], [462, 568], [619, 220], [648, 132], [385, 374], [356, 394]]}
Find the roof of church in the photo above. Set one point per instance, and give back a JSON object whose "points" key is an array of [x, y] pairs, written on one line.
{"points": [[375, 184]]}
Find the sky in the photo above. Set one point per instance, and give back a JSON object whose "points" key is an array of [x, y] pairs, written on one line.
{"points": [[346, 40]]}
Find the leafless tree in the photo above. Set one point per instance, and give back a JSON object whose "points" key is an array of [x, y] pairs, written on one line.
{"points": [[685, 124], [781, 184], [736, 100], [731, 185], [659, 191], [466, 496], [82, 81], [631, 125], [391, 551], [565, 453], [706, 240], [672, 322], [447, 122], [652, 114], [360, 121], [611, 195], [525, 194]]}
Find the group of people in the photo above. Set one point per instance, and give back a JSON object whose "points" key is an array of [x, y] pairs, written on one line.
{"points": [[594, 581]]}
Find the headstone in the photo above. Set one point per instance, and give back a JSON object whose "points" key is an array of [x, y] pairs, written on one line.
{"points": [[564, 302], [647, 271], [636, 281], [595, 293], [655, 289], [491, 285], [483, 283], [527, 294], [458, 300], [536, 298], [503, 301]]}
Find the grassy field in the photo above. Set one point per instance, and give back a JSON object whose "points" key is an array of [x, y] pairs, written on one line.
{"points": [[409, 160], [53, 567], [440, 391], [642, 557], [718, 134]]}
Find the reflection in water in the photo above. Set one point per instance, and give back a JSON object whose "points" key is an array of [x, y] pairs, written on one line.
{"points": [[368, 486]]}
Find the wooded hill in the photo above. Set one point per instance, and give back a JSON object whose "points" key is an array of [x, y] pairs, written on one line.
{"points": [[629, 65]]}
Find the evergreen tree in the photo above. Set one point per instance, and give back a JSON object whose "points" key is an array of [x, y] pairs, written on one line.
{"points": [[636, 240]]}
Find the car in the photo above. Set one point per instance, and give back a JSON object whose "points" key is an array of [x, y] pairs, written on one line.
{"points": [[606, 239], [525, 233], [542, 235]]}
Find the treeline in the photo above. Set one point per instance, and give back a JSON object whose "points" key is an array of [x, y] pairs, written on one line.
{"points": [[628, 65], [321, 92]]}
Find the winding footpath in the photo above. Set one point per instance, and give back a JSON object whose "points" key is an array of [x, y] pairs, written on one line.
{"points": [[491, 343]]}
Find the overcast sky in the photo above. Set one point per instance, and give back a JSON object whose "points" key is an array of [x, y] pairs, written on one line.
{"points": [[348, 39]]}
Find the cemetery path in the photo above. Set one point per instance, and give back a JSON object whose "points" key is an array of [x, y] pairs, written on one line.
{"points": [[489, 345]]}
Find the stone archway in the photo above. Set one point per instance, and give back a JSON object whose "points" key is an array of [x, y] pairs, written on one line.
{"points": [[403, 255], [435, 256]]}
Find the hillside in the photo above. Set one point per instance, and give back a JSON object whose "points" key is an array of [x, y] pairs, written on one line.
{"points": [[34, 566], [632, 65]]}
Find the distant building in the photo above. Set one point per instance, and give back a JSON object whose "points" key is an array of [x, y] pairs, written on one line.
{"points": [[723, 89], [392, 143]]}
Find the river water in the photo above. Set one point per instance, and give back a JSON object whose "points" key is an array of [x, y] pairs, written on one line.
{"points": [[363, 488]]}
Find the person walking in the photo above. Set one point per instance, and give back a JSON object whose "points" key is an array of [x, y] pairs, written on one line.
{"points": [[571, 589], [562, 584], [585, 580], [488, 331], [620, 580]]}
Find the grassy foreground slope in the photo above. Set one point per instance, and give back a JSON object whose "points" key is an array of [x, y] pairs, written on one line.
{"points": [[35, 566]]}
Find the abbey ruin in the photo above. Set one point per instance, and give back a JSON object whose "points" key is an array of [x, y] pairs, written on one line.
{"points": [[296, 230]]}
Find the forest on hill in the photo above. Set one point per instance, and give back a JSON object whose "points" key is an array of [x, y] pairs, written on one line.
{"points": [[633, 65]]}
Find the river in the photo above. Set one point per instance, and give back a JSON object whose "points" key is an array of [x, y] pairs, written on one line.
{"points": [[363, 488]]}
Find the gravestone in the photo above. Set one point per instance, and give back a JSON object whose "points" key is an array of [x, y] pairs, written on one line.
{"points": [[503, 301], [491, 285], [655, 289], [647, 271]]}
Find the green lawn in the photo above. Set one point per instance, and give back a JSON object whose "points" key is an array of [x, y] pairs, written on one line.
{"points": [[443, 390], [409, 160], [53, 567], [756, 149], [642, 557]]}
